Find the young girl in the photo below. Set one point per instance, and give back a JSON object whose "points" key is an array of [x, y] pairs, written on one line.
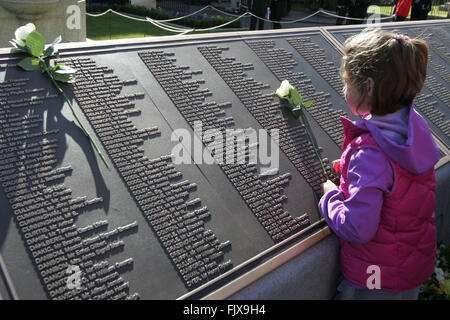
{"points": [[383, 209]]}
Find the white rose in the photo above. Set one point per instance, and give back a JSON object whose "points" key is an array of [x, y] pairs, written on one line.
{"points": [[65, 74], [283, 90], [23, 32]]}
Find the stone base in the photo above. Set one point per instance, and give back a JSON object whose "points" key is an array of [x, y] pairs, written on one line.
{"points": [[62, 19]]}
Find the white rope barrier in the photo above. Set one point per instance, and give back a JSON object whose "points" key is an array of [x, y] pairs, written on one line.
{"points": [[224, 24], [160, 23], [154, 22], [184, 30], [167, 27], [221, 11], [118, 13], [198, 11], [164, 27], [173, 28], [173, 19], [202, 9], [167, 20], [99, 14], [285, 21], [188, 15]]}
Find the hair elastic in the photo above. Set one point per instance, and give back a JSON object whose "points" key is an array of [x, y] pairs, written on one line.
{"points": [[401, 36]]}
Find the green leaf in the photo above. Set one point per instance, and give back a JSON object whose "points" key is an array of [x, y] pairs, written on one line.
{"points": [[57, 66], [29, 64], [35, 43], [50, 51], [57, 40], [61, 77], [18, 46], [297, 99], [307, 104]]}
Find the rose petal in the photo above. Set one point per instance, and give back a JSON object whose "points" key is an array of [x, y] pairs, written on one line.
{"points": [[65, 69], [30, 27], [23, 31], [19, 32], [285, 83], [283, 90], [20, 42]]}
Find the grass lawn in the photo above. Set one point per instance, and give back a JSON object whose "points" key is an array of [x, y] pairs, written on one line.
{"points": [[113, 26]]}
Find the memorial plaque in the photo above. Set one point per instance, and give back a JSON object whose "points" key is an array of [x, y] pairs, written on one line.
{"points": [[154, 227]]}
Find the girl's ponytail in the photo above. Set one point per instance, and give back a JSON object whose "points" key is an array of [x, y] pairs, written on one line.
{"points": [[396, 63]]}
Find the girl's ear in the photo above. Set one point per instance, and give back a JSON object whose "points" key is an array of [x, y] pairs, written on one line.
{"points": [[370, 84]]}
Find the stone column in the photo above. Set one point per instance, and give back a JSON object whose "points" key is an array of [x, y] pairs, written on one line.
{"points": [[51, 17]]}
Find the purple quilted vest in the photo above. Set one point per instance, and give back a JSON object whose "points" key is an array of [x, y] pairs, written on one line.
{"points": [[404, 245]]}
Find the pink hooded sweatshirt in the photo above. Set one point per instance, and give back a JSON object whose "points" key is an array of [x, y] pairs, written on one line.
{"points": [[383, 211]]}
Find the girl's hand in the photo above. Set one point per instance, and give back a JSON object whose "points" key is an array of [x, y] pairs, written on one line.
{"points": [[328, 186], [336, 166]]}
